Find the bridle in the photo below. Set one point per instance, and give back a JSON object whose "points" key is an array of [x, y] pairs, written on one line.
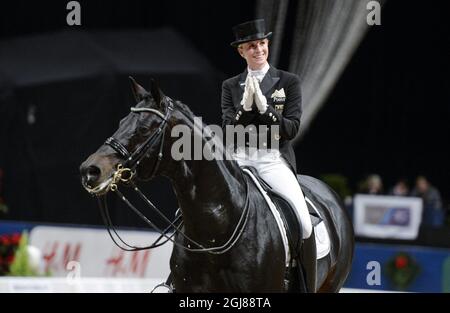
{"points": [[127, 171], [132, 160]]}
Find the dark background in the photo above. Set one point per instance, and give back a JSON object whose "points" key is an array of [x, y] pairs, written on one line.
{"points": [[388, 114], [390, 111]]}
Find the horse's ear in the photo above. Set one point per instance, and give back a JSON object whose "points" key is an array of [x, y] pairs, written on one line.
{"points": [[157, 94], [138, 91]]}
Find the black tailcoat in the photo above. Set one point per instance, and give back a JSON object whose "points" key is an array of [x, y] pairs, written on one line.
{"points": [[283, 111]]}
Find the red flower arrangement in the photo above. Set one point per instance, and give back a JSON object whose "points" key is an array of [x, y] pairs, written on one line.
{"points": [[402, 270], [8, 247]]}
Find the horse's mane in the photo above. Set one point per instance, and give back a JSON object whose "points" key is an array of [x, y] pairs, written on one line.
{"points": [[186, 110]]}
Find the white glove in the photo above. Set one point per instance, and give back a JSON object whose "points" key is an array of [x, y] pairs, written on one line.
{"points": [[260, 99], [247, 98]]}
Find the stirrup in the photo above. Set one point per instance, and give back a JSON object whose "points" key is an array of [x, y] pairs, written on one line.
{"points": [[170, 288]]}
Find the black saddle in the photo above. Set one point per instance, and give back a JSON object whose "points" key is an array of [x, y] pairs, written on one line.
{"points": [[301, 250], [286, 209]]}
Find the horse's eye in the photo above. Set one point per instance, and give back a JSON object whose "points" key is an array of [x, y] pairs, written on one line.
{"points": [[142, 129]]}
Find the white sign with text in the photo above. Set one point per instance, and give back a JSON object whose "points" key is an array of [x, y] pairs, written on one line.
{"points": [[95, 255], [387, 217]]}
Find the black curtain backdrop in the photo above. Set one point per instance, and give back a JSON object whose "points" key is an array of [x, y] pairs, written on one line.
{"points": [[65, 95], [207, 24], [388, 113], [64, 89]]}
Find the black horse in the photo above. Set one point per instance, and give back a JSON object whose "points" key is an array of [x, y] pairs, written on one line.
{"points": [[239, 247]]}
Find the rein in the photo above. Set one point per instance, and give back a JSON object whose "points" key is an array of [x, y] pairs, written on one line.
{"points": [[127, 171]]}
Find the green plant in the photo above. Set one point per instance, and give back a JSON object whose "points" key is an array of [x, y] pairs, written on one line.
{"points": [[21, 264], [338, 183], [3, 206]]}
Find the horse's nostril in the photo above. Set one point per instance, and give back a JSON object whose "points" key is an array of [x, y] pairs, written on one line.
{"points": [[93, 170], [92, 174]]}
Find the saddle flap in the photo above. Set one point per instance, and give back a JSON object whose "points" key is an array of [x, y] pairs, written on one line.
{"points": [[315, 218], [290, 221]]}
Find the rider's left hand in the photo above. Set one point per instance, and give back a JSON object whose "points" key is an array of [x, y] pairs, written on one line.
{"points": [[260, 99]]}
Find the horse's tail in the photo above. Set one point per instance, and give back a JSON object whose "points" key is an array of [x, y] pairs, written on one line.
{"points": [[340, 230]]}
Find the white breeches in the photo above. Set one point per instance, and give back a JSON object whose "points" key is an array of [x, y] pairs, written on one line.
{"points": [[275, 171]]}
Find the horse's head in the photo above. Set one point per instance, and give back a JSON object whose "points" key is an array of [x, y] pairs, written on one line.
{"points": [[132, 151]]}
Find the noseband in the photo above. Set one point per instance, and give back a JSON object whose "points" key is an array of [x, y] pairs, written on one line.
{"points": [[125, 173]]}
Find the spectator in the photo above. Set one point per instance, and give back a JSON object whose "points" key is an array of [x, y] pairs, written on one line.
{"points": [[401, 188], [433, 213], [373, 185]]}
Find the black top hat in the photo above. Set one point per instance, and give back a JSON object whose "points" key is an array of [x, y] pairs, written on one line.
{"points": [[249, 31]]}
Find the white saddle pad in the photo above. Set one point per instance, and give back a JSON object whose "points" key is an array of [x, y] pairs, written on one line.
{"points": [[321, 233], [322, 237]]}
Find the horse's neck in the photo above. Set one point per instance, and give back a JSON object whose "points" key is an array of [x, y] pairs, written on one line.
{"points": [[211, 195]]}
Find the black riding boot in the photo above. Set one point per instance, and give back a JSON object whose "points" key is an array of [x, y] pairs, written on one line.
{"points": [[309, 262]]}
